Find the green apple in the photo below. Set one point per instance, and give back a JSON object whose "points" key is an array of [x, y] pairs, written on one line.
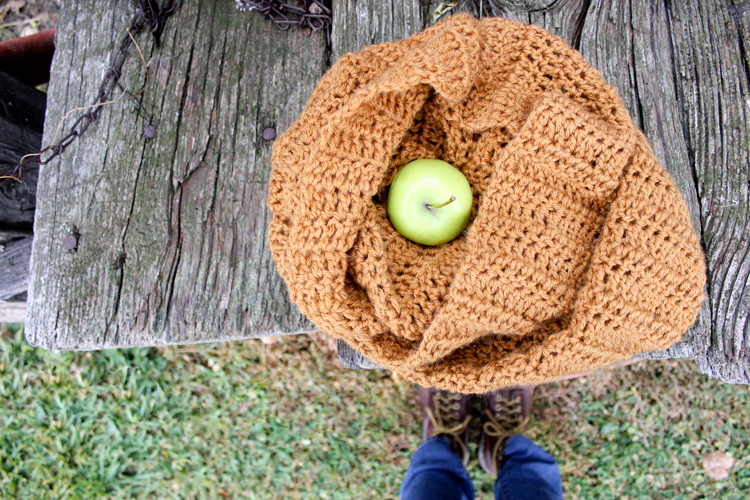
{"points": [[429, 202]]}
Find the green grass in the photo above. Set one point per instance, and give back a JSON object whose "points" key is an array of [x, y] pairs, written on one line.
{"points": [[283, 420]]}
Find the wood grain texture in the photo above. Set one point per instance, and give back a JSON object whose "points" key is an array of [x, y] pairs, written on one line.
{"points": [[682, 72], [710, 49], [360, 23], [351, 358], [631, 44], [14, 267], [21, 124], [172, 245], [12, 312]]}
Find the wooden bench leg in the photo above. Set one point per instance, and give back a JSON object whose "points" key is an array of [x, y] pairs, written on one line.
{"points": [[351, 358]]}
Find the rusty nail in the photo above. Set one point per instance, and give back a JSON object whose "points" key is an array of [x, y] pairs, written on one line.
{"points": [[269, 134], [149, 131], [70, 242]]}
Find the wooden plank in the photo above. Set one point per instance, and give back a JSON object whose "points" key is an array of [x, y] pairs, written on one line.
{"points": [[14, 267], [647, 50], [172, 245], [563, 18], [712, 80], [631, 44], [351, 358], [21, 123], [361, 23], [12, 312], [690, 105], [356, 25], [172, 229]]}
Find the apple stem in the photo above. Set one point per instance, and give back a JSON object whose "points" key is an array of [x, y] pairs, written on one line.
{"points": [[453, 198]]}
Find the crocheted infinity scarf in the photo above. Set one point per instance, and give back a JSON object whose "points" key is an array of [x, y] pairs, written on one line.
{"points": [[579, 250]]}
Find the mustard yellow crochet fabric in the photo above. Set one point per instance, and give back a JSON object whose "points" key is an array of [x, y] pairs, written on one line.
{"points": [[579, 250]]}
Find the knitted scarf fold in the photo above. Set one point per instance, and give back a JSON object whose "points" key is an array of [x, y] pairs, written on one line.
{"points": [[579, 250]]}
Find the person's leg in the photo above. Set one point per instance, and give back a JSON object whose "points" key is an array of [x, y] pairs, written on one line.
{"points": [[437, 470], [436, 473], [527, 472], [523, 470]]}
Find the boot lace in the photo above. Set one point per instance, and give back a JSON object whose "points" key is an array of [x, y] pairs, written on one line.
{"points": [[447, 418], [506, 420]]}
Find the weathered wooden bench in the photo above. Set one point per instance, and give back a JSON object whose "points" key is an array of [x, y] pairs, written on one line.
{"points": [[142, 240]]}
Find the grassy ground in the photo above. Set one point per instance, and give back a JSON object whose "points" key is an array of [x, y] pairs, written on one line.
{"points": [[283, 420]]}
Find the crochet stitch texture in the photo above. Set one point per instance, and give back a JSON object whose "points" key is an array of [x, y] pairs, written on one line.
{"points": [[579, 251]]}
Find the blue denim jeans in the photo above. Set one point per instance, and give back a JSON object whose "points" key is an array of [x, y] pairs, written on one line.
{"points": [[526, 472]]}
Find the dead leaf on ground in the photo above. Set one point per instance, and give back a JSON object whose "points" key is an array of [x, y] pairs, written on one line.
{"points": [[717, 465]]}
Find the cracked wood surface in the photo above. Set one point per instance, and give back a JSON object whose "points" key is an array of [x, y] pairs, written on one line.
{"points": [[172, 244]]}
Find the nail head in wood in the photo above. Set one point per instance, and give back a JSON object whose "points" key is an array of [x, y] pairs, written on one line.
{"points": [[70, 242], [269, 134]]}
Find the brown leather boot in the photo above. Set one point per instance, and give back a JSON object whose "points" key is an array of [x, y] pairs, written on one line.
{"points": [[507, 414], [446, 413]]}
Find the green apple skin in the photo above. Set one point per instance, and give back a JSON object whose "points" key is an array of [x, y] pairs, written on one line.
{"points": [[417, 189]]}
